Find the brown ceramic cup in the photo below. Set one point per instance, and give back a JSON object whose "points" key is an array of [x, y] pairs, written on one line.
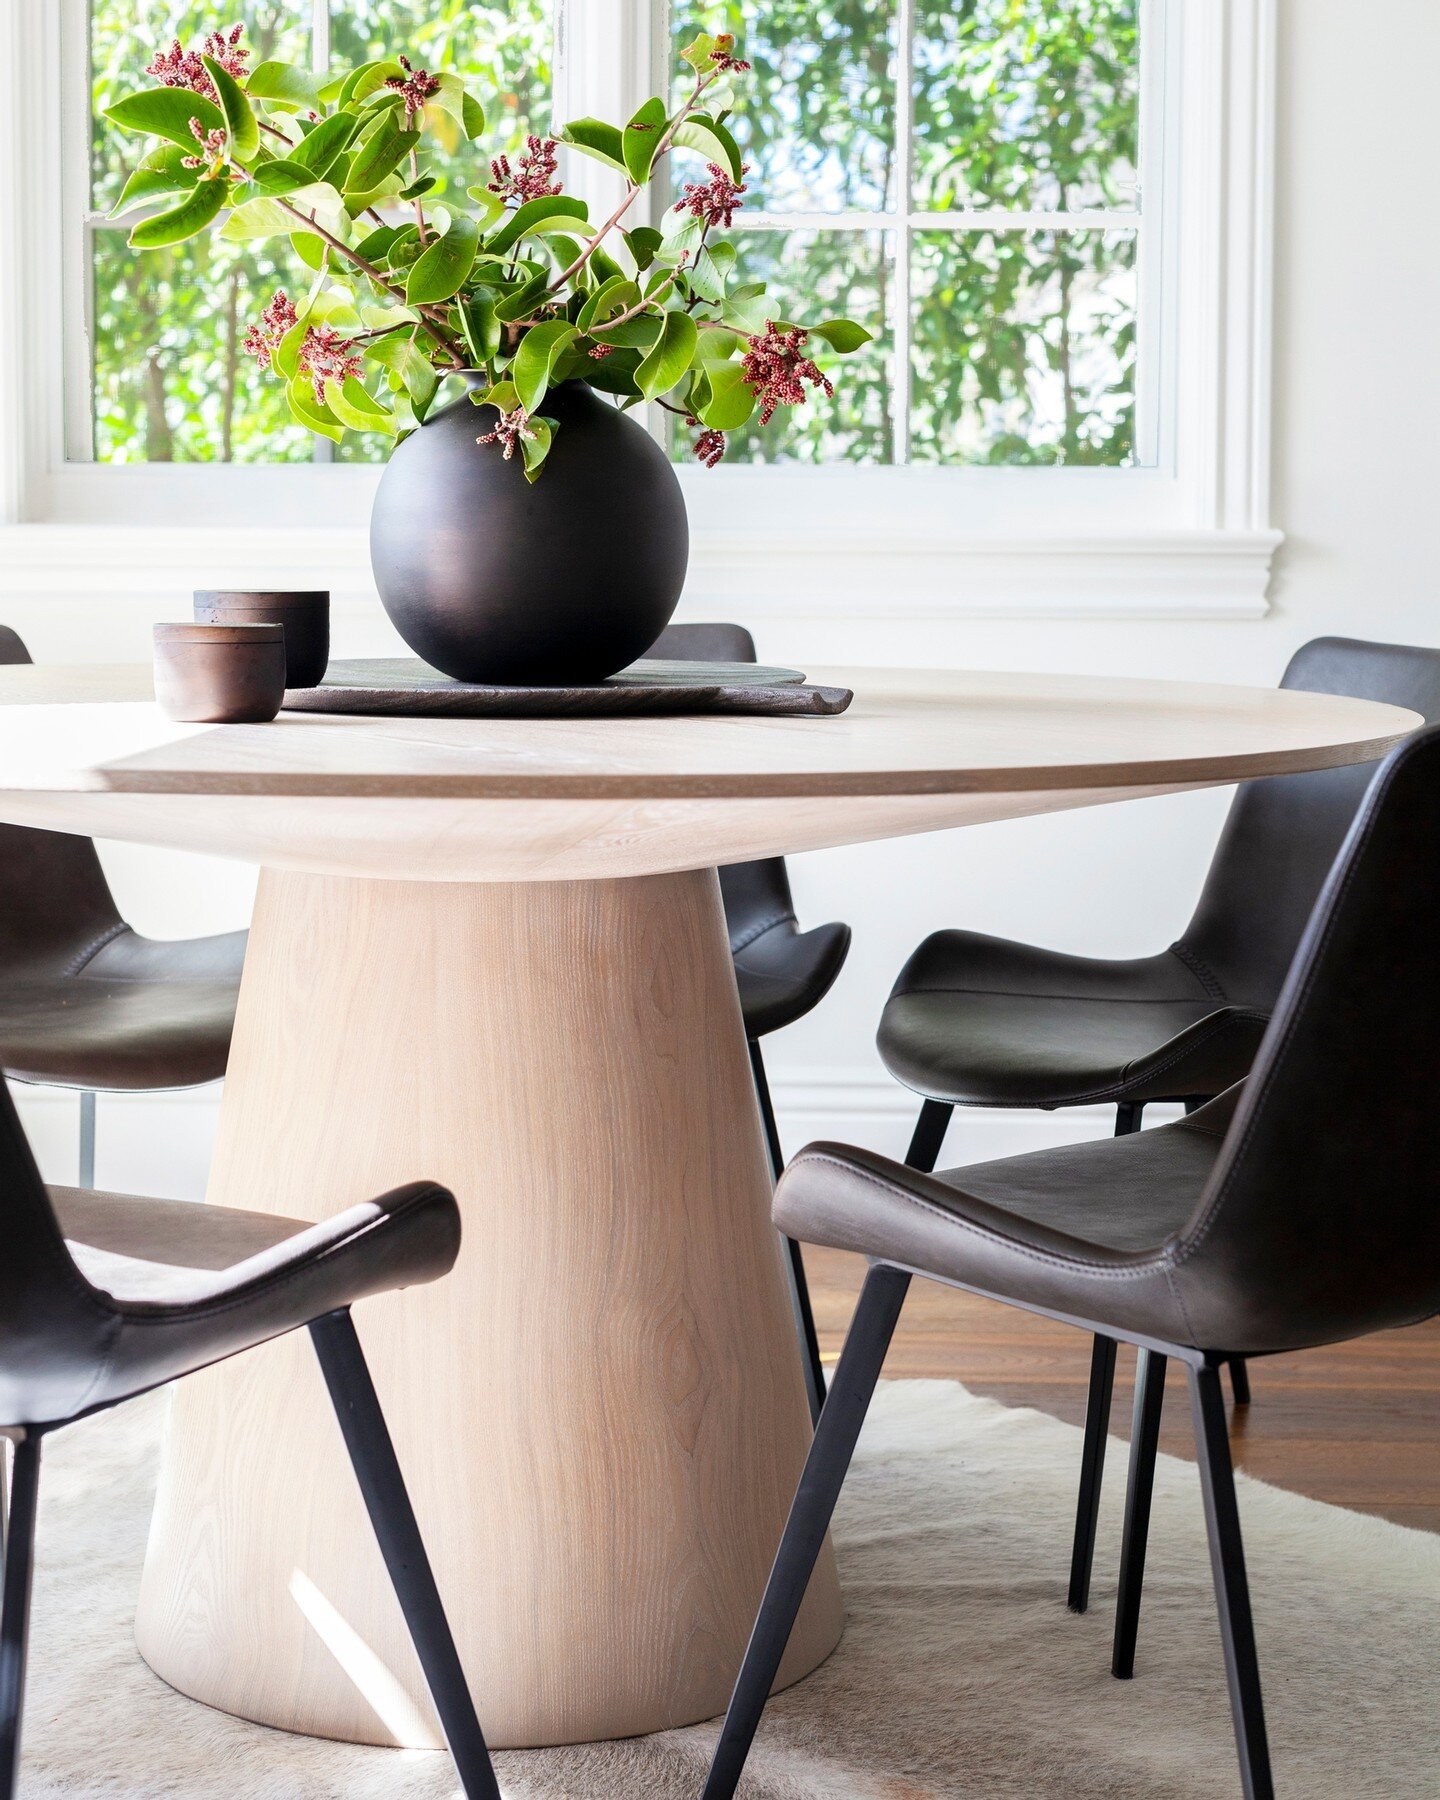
{"points": [[220, 674], [305, 616]]}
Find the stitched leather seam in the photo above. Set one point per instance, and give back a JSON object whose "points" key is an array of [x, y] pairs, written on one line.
{"points": [[183, 1312], [1212, 1212], [1032, 994], [1200, 969], [746, 939], [1101, 1271], [94, 947]]}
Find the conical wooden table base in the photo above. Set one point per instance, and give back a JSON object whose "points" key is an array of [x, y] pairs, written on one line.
{"points": [[600, 1412]]}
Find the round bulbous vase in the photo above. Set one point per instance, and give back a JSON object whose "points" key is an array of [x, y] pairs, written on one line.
{"points": [[562, 581]]}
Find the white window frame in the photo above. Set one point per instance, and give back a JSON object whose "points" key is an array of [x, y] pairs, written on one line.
{"points": [[1189, 534]]}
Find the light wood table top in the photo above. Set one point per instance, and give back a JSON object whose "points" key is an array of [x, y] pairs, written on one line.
{"points": [[84, 748]]}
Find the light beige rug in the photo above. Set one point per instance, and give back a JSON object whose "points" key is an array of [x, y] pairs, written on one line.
{"points": [[961, 1672]]}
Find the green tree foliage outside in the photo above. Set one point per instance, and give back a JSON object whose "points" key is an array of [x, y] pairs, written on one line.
{"points": [[1023, 342]]}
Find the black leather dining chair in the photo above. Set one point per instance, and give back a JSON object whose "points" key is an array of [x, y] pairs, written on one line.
{"points": [[1295, 1210], [782, 972], [85, 1001], [104, 1296], [981, 1021]]}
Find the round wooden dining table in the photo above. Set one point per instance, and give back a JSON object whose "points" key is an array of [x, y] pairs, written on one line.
{"points": [[493, 953]]}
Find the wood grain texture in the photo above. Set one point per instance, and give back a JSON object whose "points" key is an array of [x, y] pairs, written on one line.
{"points": [[600, 1411], [455, 799]]}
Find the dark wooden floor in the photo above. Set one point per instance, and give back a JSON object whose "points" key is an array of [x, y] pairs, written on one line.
{"points": [[1358, 1425]]}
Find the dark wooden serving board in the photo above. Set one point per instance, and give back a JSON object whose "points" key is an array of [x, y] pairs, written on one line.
{"points": [[401, 687]]}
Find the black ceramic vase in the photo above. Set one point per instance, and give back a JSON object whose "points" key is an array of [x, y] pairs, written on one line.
{"points": [[491, 578]]}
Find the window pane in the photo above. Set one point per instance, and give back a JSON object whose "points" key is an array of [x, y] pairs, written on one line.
{"points": [[1024, 347], [171, 381], [124, 36], [502, 48], [816, 116], [1026, 103], [821, 275]]}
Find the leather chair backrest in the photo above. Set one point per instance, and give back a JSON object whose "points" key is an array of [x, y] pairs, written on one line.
{"points": [[1322, 1217], [1284, 833], [756, 894], [53, 1327], [55, 904]]}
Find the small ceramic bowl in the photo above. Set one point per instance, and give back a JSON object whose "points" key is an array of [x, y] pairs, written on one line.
{"points": [[305, 616], [220, 674]]}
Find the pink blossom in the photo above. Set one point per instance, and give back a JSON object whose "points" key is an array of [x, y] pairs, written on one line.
{"points": [[709, 447], [326, 356], [512, 428], [179, 67], [601, 351], [262, 340], [776, 369], [713, 202], [212, 146], [535, 177], [416, 86], [723, 60]]}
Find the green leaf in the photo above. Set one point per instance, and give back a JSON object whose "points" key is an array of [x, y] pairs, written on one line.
{"points": [[642, 137], [160, 174], [417, 190], [672, 355], [616, 374], [749, 313], [354, 407], [642, 243], [376, 246], [280, 177], [540, 349], [318, 203], [842, 335], [365, 80], [166, 112], [239, 114], [731, 401], [595, 138], [710, 138], [404, 357], [502, 397], [472, 117], [309, 248], [481, 327], [698, 53], [530, 293], [535, 449], [319, 149], [614, 296], [380, 155], [704, 277], [532, 215], [309, 412], [186, 220], [284, 87], [445, 267], [488, 206]]}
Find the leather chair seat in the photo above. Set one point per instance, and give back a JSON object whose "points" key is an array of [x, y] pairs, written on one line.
{"points": [[138, 1014], [783, 973], [1087, 1230], [174, 1285], [981, 1021]]}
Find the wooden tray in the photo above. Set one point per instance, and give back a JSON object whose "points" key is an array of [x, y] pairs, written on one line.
{"points": [[403, 687]]}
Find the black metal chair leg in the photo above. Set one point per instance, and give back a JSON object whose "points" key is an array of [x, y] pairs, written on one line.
{"points": [[825, 1467], [1129, 1115], [15, 1612], [1232, 1591], [928, 1138], [1092, 1470], [1140, 1489], [367, 1438], [794, 1257], [1240, 1380]]}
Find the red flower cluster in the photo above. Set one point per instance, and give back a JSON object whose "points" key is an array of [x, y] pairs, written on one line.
{"points": [[212, 146], [416, 86], [709, 447], [776, 367], [713, 202], [262, 340], [325, 356], [600, 352], [179, 67], [533, 180], [512, 428], [723, 60]]}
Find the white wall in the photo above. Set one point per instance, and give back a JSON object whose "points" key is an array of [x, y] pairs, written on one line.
{"points": [[1357, 474]]}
